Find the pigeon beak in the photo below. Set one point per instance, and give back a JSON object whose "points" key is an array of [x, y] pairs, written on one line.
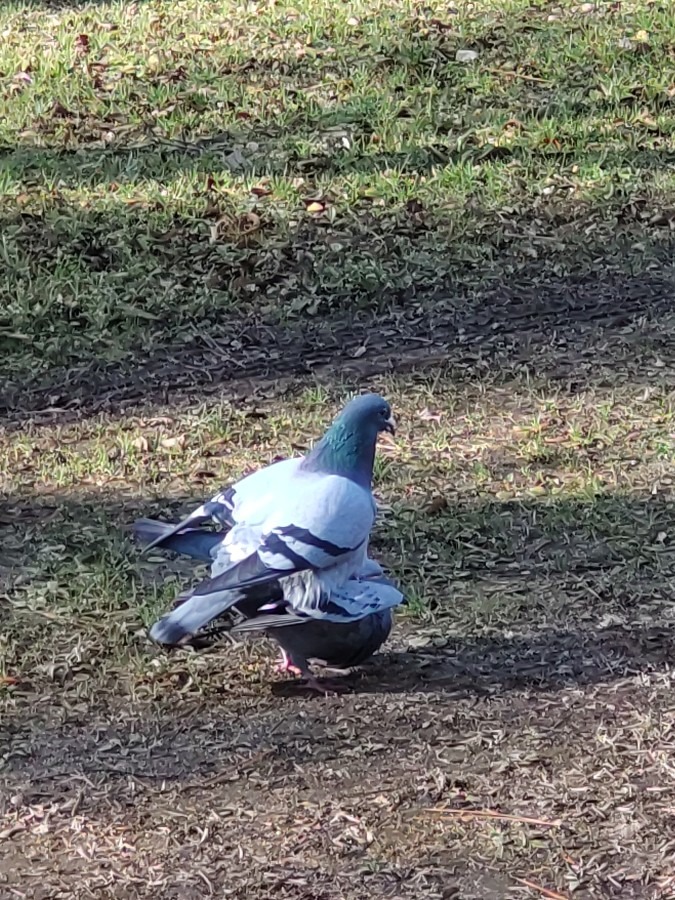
{"points": [[390, 425]]}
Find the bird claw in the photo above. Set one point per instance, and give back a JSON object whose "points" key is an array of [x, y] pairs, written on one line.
{"points": [[308, 680], [286, 664], [283, 667]]}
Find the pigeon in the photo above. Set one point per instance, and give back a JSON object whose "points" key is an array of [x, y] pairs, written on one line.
{"points": [[335, 645], [296, 549]]}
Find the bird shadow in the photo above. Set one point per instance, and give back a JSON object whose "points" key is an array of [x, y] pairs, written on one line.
{"points": [[482, 666]]}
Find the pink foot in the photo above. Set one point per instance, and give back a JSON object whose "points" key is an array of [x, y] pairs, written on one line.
{"points": [[325, 686], [288, 667], [286, 664]]}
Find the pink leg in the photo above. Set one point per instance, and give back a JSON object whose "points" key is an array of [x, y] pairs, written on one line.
{"points": [[327, 686], [286, 664]]}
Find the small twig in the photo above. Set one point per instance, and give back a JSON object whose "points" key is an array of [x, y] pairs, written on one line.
{"points": [[12, 831], [45, 615], [545, 892], [522, 75], [492, 814], [206, 880], [224, 776]]}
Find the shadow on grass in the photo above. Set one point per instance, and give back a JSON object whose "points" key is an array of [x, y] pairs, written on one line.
{"points": [[468, 670], [500, 311], [573, 591], [212, 157], [547, 661]]}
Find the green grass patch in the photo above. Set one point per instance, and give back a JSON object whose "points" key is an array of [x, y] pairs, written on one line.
{"points": [[167, 167]]}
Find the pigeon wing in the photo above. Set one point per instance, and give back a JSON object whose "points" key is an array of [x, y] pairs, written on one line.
{"points": [[248, 499]]}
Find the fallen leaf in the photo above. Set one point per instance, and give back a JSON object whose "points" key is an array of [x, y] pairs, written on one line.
{"points": [[314, 206], [249, 222], [170, 442], [61, 112], [82, 43]]}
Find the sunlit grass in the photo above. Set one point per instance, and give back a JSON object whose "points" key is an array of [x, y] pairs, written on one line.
{"points": [[169, 166]]}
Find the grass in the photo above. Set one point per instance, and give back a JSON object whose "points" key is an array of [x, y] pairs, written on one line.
{"points": [[530, 526], [170, 168], [215, 224]]}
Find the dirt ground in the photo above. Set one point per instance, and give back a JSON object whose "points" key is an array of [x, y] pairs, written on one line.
{"points": [[493, 770], [574, 331], [508, 765]]}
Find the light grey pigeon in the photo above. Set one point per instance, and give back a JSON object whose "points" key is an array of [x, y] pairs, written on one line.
{"points": [[297, 544], [337, 645]]}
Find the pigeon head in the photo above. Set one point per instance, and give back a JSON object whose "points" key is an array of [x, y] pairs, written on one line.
{"points": [[348, 447], [368, 415]]}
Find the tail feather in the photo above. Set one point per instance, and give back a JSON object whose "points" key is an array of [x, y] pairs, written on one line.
{"points": [[193, 613], [262, 623], [201, 516], [193, 542], [219, 509]]}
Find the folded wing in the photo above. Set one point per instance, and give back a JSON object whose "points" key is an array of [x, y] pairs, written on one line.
{"points": [[245, 500], [311, 541]]}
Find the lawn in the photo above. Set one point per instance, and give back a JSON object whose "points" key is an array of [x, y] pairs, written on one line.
{"points": [[216, 221]]}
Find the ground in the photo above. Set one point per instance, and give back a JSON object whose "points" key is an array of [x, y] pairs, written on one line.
{"points": [[217, 222]]}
